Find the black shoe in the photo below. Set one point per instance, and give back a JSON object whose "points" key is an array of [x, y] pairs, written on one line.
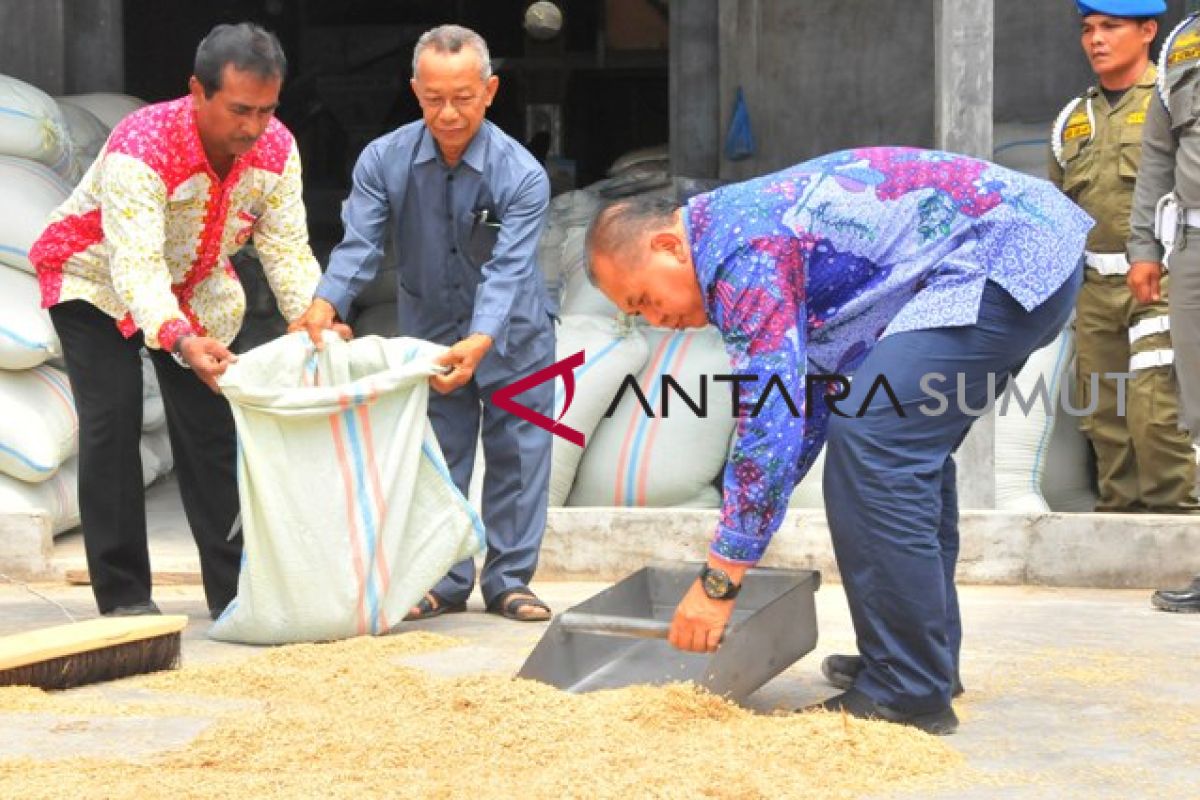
{"points": [[857, 704], [841, 671], [1185, 601], [136, 610]]}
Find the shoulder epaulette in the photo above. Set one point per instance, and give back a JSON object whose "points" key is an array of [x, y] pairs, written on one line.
{"points": [[1167, 58], [1057, 134]]}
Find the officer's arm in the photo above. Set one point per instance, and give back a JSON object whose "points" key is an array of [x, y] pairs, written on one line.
{"points": [[1156, 177]]}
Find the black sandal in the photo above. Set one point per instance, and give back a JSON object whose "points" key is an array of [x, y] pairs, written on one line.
{"points": [[431, 606], [512, 603]]}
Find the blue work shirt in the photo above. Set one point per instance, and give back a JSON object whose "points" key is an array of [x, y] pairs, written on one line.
{"points": [[466, 238], [803, 271]]}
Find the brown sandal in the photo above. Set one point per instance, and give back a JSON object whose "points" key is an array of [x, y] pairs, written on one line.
{"points": [[521, 605], [431, 606]]}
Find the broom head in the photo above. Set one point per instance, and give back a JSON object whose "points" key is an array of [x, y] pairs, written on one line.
{"points": [[92, 651]]}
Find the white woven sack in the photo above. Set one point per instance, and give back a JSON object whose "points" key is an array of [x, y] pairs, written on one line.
{"points": [[38, 429], [636, 460], [27, 337], [569, 212], [349, 513], [88, 133], [158, 443], [611, 351], [579, 296], [108, 107], [151, 466], [1024, 441], [154, 414], [58, 496], [32, 127], [28, 193], [157, 459]]}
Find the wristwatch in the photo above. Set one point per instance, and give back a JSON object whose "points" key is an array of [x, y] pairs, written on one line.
{"points": [[177, 350], [717, 584]]}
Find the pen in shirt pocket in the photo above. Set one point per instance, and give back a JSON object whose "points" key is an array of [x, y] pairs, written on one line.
{"points": [[485, 218]]}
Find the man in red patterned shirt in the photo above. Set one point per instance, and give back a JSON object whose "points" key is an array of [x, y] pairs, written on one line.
{"points": [[138, 256]]}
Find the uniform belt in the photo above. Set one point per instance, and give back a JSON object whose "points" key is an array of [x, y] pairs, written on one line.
{"points": [[1107, 263]]}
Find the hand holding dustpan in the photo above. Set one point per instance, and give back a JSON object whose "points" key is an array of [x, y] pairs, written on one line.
{"points": [[618, 637], [702, 615], [700, 622]]}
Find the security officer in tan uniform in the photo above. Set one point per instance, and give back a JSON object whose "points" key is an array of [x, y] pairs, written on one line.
{"points": [[1144, 461], [1165, 230]]}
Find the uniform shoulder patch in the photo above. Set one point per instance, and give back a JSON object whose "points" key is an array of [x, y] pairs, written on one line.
{"points": [[1073, 122], [1180, 50], [1185, 47]]}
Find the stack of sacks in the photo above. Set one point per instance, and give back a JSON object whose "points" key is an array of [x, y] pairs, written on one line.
{"points": [[38, 435], [29, 191], [91, 117], [677, 459], [579, 296], [108, 107], [39, 440], [27, 338], [32, 127], [88, 133], [560, 249], [39, 427], [156, 444], [1042, 460], [612, 350], [629, 458]]}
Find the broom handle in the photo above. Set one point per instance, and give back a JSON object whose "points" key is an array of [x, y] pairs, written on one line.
{"points": [[611, 625]]}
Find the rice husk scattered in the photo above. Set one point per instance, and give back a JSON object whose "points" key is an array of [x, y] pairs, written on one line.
{"points": [[344, 720]]}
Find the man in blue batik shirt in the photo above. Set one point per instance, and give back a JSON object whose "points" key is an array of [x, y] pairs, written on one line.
{"points": [[466, 204], [884, 264]]}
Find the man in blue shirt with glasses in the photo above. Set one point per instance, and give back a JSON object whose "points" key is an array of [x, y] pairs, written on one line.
{"points": [[466, 204]]}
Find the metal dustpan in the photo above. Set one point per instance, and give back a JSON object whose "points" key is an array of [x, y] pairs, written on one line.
{"points": [[618, 637]]}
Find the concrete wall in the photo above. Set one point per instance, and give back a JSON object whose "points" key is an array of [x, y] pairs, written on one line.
{"points": [[821, 75], [1109, 551], [31, 43], [695, 108], [63, 46], [1039, 61], [824, 75], [94, 46]]}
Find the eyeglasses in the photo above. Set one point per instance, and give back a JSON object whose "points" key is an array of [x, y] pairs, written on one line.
{"points": [[438, 103]]}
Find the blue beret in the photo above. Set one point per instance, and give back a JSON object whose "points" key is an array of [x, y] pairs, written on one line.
{"points": [[1122, 8]]}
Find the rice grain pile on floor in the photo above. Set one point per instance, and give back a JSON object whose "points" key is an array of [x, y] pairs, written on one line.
{"points": [[343, 720]]}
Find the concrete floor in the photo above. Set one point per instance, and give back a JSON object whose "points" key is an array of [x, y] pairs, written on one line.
{"points": [[1070, 692]]}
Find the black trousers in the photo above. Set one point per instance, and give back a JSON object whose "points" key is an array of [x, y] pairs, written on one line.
{"points": [[105, 370]]}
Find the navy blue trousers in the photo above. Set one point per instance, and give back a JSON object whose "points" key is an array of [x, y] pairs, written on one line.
{"points": [[516, 481], [890, 493]]}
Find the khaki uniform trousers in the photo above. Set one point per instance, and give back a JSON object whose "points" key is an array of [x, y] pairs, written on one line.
{"points": [[1145, 461]]}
